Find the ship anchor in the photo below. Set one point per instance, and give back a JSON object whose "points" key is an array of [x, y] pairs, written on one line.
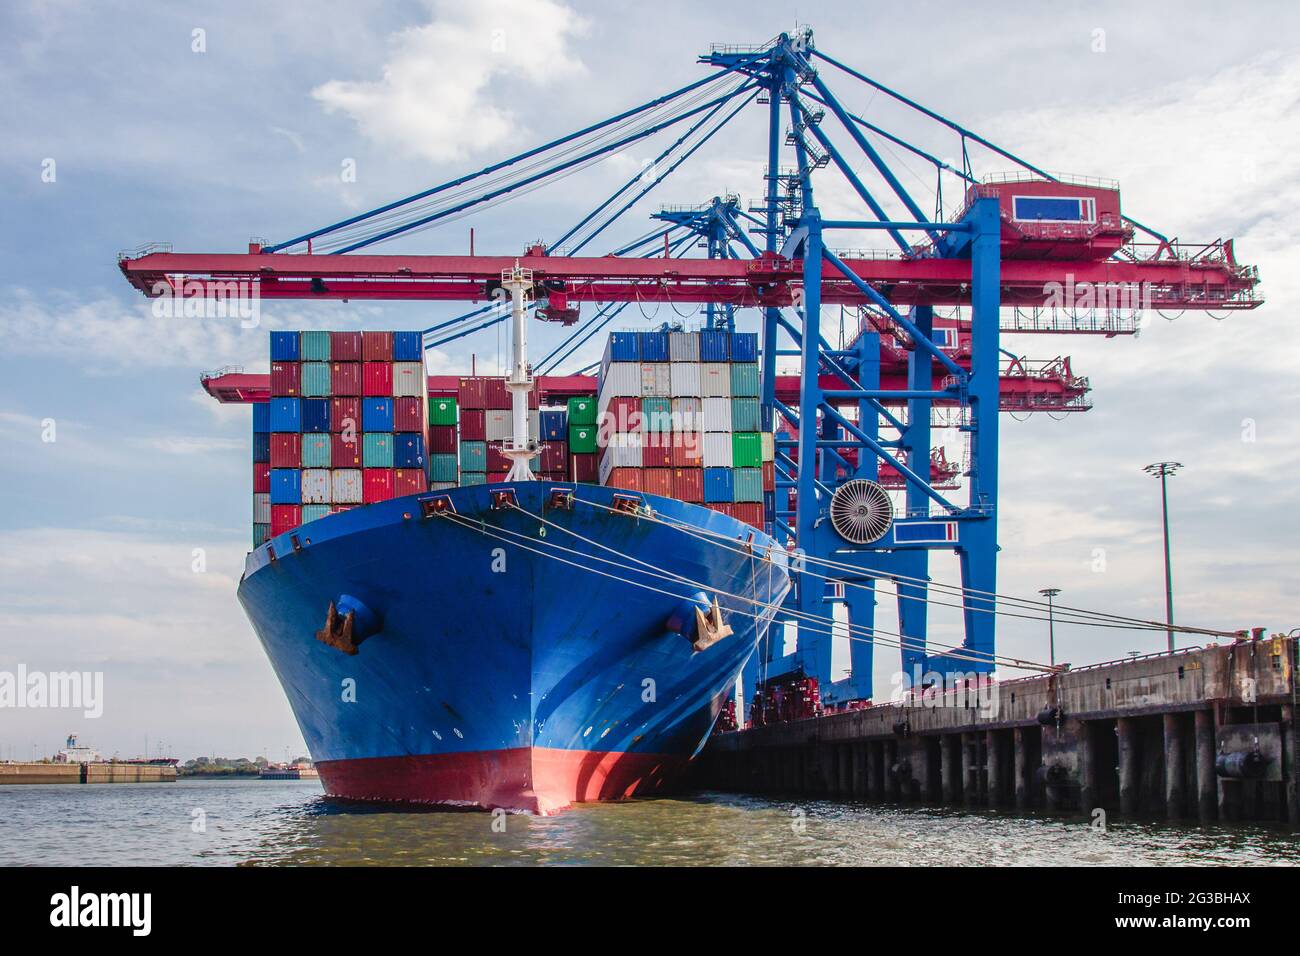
{"points": [[709, 628], [338, 632]]}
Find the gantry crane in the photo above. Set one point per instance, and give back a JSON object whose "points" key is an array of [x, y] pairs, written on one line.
{"points": [[1026, 252]]}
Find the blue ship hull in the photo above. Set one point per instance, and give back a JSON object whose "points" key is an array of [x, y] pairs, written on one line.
{"points": [[508, 661]]}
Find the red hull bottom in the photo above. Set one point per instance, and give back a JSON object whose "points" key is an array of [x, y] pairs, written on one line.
{"points": [[525, 779]]}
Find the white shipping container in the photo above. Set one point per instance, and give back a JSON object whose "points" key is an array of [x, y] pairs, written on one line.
{"points": [[717, 450], [442, 485], [619, 455], [316, 486], [499, 424], [656, 380], [769, 447], [717, 415], [535, 423], [408, 380], [345, 486], [688, 415], [684, 379], [684, 346], [715, 380], [621, 378], [261, 509]]}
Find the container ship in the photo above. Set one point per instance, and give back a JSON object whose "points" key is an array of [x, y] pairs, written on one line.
{"points": [[475, 600]]}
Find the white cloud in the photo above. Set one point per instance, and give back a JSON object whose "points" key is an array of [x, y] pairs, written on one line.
{"points": [[433, 98]]}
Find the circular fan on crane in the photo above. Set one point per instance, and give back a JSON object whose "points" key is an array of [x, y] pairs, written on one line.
{"points": [[861, 511]]}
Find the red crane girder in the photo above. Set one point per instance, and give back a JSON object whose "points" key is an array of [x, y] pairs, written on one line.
{"points": [[1216, 283]]}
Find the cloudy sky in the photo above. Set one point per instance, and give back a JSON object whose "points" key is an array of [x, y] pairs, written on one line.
{"points": [[207, 124]]}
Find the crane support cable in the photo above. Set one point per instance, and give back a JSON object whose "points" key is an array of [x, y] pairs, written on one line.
{"points": [[545, 174], [495, 167]]}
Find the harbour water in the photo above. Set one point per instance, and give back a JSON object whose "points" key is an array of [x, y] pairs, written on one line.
{"points": [[260, 822]]}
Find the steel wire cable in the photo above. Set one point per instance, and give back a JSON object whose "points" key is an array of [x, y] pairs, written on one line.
{"points": [[656, 571], [668, 113], [1077, 616]]}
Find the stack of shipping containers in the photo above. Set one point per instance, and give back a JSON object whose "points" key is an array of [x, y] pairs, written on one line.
{"points": [[680, 416], [346, 423], [261, 473]]}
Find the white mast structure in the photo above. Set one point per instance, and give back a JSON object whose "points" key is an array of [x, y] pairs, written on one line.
{"points": [[520, 449]]}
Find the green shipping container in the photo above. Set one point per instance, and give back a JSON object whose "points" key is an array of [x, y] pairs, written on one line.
{"points": [[442, 411], [314, 347], [473, 456], [747, 484], [744, 415], [260, 534], [315, 379], [582, 439], [747, 451], [657, 414], [442, 468], [473, 478], [744, 380], [582, 411], [316, 450], [312, 512], [377, 450]]}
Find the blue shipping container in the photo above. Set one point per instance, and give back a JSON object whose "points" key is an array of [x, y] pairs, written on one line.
{"points": [[261, 446], [555, 425], [623, 347], [408, 347], [284, 347], [286, 486], [377, 414], [744, 347], [717, 485], [261, 417], [713, 345], [409, 450], [286, 415], [315, 414], [654, 346]]}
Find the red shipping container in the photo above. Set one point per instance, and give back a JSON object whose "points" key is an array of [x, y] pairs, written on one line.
{"points": [[345, 346], [377, 379], [626, 478], [750, 512], [554, 456], [497, 461], [688, 450], [472, 394], [261, 477], [720, 507], [408, 481], [688, 484], [496, 477], [657, 481], [286, 450], [345, 378], [345, 415], [495, 393], [285, 380], [377, 346], [337, 508], [769, 476], [534, 397], [376, 484], [285, 518], [473, 424], [584, 467], [657, 454], [624, 414], [442, 440], [344, 453], [408, 414]]}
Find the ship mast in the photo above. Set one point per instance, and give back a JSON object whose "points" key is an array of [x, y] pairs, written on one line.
{"points": [[520, 449]]}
